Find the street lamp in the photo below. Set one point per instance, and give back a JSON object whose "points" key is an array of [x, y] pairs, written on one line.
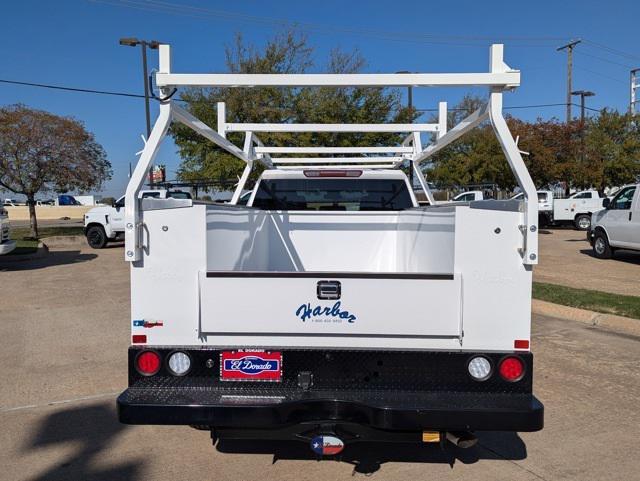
{"points": [[582, 94], [410, 106], [153, 45]]}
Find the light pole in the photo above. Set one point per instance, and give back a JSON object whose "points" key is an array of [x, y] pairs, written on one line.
{"points": [[153, 44], [634, 87], [582, 94], [410, 106]]}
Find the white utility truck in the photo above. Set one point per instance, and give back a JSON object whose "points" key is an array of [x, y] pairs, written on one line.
{"points": [[545, 205], [332, 308], [577, 209], [6, 244], [105, 223], [618, 225]]}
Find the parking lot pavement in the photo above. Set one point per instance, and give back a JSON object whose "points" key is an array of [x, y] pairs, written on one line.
{"points": [[63, 340], [566, 258]]}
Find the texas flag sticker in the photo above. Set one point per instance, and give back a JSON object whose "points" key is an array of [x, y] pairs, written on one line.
{"points": [[327, 445]]}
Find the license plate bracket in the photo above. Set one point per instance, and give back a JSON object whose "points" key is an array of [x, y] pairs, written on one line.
{"points": [[251, 365]]}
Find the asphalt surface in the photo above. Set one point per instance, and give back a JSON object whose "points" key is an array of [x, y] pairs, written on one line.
{"points": [[63, 341], [566, 258]]}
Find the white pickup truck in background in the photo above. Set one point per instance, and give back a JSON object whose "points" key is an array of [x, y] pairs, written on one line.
{"points": [[330, 308], [618, 225], [469, 196], [6, 244], [105, 223]]}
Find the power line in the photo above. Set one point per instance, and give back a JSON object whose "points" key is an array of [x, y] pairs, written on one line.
{"points": [[71, 89], [205, 13], [602, 75], [613, 50], [604, 59], [131, 95]]}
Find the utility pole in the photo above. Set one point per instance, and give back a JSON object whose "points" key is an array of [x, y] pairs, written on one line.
{"points": [[569, 47], [634, 87]]}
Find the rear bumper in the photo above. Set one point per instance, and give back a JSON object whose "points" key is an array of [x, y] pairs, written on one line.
{"points": [[397, 411], [389, 390]]}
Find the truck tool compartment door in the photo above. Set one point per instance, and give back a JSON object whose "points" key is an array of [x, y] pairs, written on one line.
{"points": [[312, 303]]}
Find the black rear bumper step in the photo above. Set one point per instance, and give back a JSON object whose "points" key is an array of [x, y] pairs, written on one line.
{"points": [[273, 409]]}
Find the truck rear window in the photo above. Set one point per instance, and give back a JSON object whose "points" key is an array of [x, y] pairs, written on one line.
{"points": [[332, 194]]}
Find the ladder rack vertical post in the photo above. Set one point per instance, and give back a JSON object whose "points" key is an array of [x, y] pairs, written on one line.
{"points": [[222, 119]]}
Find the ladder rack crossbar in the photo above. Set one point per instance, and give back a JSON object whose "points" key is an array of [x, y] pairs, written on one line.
{"points": [[235, 127], [334, 150]]}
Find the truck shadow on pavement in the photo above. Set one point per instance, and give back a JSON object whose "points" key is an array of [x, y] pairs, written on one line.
{"points": [[54, 258], [367, 458], [93, 430], [630, 257]]}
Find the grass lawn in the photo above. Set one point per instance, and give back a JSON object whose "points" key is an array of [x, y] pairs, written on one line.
{"points": [[24, 232], [27, 245], [628, 306]]}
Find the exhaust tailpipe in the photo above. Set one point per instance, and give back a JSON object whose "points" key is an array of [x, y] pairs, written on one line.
{"points": [[462, 439]]}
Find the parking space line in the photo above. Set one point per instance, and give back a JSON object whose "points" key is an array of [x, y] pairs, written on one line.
{"points": [[63, 401]]}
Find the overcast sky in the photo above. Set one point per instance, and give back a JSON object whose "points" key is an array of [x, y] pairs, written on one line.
{"points": [[75, 43]]}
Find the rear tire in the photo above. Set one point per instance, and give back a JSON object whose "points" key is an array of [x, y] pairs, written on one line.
{"points": [[583, 222], [601, 247], [96, 237]]}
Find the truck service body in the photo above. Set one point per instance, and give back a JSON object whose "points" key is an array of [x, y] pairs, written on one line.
{"points": [[332, 306], [577, 209]]}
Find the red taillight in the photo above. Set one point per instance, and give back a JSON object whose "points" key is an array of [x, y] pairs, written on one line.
{"points": [[521, 344], [333, 173], [148, 363], [511, 369]]}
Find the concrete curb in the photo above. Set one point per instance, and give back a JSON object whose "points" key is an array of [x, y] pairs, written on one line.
{"points": [[64, 240], [40, 252], [625, 325]]}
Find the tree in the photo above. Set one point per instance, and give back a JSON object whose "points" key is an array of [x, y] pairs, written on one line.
{"points": [[475, 158], [553, 152], [286, 53], [41, 152], [612, 150]]}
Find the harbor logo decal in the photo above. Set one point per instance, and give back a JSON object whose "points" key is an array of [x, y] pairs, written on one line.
{"points": [[250, 366], [324, 313]]}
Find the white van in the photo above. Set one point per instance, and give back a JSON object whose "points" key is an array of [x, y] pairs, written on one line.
{"points": [[618, 225]]}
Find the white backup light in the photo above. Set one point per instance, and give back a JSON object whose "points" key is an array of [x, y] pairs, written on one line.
{"points": [[480, 368], [179, 363]]}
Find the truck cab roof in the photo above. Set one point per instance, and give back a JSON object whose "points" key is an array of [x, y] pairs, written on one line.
{"points": [[361, 173], [338, 189]]}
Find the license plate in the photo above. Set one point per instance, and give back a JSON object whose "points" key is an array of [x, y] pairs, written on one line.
{"points": [[253, 365]]}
